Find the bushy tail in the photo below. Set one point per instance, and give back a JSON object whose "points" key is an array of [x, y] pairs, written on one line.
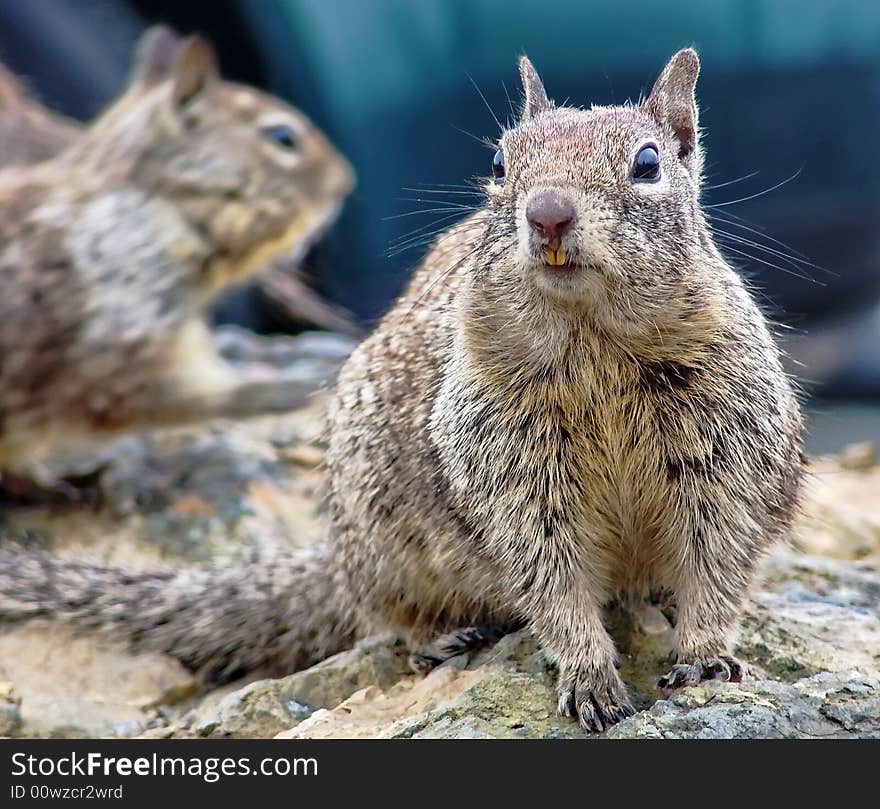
{"points": [[282, 611]]}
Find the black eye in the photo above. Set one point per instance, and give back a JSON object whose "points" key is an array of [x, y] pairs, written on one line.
{"points": [[646, 168], [498, 166], [281, 135]]}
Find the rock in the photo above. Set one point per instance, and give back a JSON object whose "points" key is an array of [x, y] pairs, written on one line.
{"points": [[256, 711], [840, 517], [499, 704], [192, 495], [484, 702], [813, 615], [842, 704], [812, 628], [858, 457], [77, 685], [207, 492], [372, 712], [267, 707]]}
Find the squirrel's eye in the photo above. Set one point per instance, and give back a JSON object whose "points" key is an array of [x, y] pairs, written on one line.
{"points": [[281, 135], [647, 165], [498, 166]]}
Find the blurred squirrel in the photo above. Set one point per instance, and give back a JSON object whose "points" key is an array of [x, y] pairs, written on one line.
{"points": [[30, 133], [576, 400], [112, 250]]}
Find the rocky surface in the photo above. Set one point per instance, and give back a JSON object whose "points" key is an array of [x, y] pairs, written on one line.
{"points": [[61, 685], [205, 493], [811, 629], [812, 634], [842, 511]]}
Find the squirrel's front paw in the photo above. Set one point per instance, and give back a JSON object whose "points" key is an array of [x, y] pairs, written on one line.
{"points": [[723, 667], [597, 701]]}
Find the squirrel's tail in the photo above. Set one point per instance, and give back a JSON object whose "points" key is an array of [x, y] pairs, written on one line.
{"points": [[282, 612]]}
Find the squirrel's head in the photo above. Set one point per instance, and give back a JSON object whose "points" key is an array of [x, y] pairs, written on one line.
{"points": [[251, 174], [598, 208]]}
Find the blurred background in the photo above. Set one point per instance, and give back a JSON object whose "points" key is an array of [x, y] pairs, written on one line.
{"points": [[790, 95]]}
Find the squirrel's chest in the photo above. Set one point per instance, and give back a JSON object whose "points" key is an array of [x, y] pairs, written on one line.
{"points": [[583, 471], [588, 452]]}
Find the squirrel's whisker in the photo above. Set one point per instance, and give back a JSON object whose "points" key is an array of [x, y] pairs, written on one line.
{"points": [[759, 194], [770, 264], [421, 231], [792, 259], [474, 193], [742, 224], [488, 106], [446, 202], [486, 142], [731, 182], [419, 213]]}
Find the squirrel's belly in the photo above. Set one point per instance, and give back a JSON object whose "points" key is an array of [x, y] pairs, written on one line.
{"points": [[591, 483], [621, 524]]}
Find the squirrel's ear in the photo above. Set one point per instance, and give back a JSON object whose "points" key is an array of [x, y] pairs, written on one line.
{"points": [[155, 54], [195, 69], [673, 105], [536, 100]]}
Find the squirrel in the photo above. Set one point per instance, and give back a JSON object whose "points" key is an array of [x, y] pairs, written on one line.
{"points": [[113, 249], [575, 401], [31, 132]]}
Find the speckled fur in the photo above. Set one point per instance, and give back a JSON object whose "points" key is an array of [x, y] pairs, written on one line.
{"points": [[111, 251], [516, 443]]}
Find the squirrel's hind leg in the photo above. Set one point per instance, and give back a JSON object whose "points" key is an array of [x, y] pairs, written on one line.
{"points": [[460, 641]]}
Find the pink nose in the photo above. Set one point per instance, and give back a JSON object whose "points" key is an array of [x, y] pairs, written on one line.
{"points": [[550, 214]]}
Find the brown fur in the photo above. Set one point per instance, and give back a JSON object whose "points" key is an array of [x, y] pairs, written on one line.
{"points": [[522, 442]]}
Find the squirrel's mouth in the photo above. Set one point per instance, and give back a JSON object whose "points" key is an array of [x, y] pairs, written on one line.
{"points": [[558, 262], [562, 269]]}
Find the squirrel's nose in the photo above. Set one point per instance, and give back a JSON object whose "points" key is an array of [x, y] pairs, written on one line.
{"points": [[550, 214]]}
